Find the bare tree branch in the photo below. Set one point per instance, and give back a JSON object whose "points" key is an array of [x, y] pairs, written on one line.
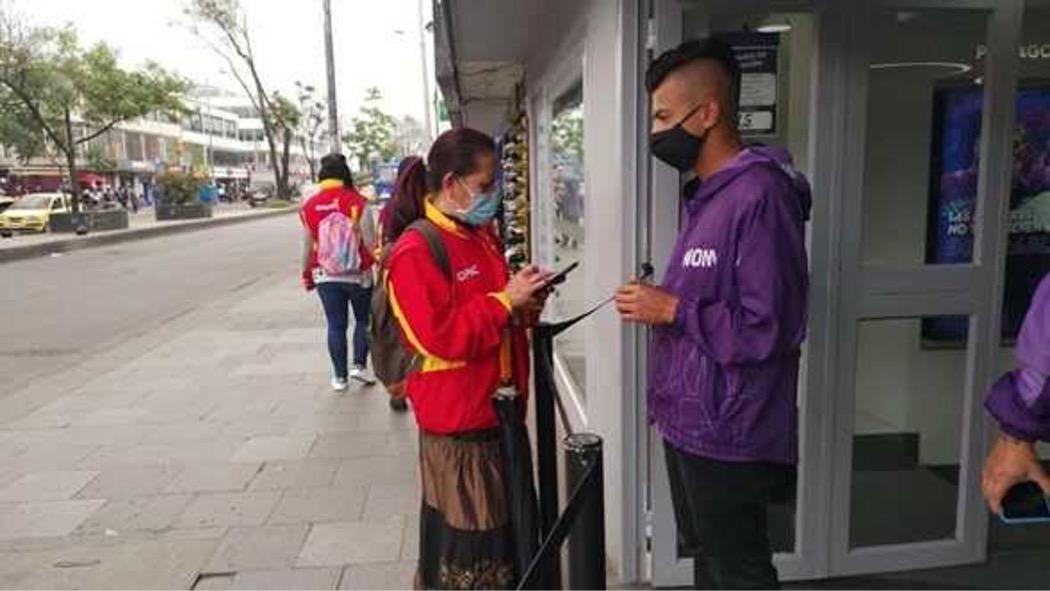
{"points": [[101, 131]]}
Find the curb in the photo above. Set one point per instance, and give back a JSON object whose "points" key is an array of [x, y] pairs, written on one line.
{"points": [[19, 253]]}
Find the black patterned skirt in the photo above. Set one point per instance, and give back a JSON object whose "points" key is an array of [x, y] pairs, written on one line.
{"points": [[465, 536]]}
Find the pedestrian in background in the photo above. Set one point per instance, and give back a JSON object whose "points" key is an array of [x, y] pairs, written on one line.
{"points": [[338, 241], [729, 320], [467, 326], [405, 210], [399, 211], [1020, 404]]}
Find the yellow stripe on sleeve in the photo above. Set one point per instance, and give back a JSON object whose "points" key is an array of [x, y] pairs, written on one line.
{"points": [[504, 299], [431, 363]]}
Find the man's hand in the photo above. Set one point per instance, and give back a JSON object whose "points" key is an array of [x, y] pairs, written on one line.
{"points": [[308, 280], [1010, 462], [645, 304]]}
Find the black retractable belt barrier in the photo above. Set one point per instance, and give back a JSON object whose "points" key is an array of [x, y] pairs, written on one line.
{"points": [[584, 460], [588, 485]]}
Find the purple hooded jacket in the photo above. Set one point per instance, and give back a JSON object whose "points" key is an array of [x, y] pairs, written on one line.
{"points": [[1020, 400], [724, 376]]}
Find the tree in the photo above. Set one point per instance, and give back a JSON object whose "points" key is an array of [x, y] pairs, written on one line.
{"points": [[411, 137], [313, 113], [227, 35], [567, 134], [59, 96], [372, 131], [286, 118]]}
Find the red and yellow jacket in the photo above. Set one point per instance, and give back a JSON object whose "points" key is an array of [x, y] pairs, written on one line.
{"points": [[457, 326]]}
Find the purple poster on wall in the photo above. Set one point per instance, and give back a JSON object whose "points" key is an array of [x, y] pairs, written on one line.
{"points": [[953, 179]]}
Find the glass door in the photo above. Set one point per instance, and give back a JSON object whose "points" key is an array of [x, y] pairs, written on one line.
{"points": [[928, 106]]}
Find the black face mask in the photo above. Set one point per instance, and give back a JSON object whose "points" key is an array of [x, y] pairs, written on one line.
{"points": [[676, 146]]}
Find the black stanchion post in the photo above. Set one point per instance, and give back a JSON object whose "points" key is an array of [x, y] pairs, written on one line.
{"points": [[583, 458], [546, 446]]}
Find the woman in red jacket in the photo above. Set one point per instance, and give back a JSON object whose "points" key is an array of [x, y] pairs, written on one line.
{"points": [[340, 291], [470, 331]]}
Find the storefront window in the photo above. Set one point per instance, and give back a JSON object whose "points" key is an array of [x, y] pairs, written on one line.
{"points": [[924, 135], [133, 146], [568, 191]]}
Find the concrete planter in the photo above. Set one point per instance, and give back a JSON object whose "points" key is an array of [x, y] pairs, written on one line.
{"points": [[93, 221], [188, 211]]}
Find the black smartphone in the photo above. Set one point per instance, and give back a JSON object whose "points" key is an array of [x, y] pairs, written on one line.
{"points": [[1025, 503], [559, 277]]}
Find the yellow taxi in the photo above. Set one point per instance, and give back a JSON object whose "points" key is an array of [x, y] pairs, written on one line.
{"points": [[32, 213]]}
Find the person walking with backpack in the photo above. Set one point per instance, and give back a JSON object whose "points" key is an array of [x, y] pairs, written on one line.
{"points": [[338, 241], [465, 319]]}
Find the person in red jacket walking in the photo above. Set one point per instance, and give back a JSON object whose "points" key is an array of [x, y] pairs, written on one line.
{"points": [[338, 242], [470, 330]]}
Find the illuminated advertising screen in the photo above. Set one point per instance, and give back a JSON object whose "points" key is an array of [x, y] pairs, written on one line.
{"points": [[953, 192]]}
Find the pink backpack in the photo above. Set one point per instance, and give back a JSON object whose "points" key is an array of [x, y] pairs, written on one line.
{"points": [[339, 244]]}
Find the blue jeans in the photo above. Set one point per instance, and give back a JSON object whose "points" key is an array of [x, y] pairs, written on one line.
{"points": [[336, 298]]}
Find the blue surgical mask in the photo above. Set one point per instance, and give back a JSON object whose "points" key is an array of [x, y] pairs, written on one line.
{"points": [[483, 207]]}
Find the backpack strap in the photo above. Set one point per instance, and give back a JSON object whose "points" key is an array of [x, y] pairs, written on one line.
{"points": [[432, 234]]}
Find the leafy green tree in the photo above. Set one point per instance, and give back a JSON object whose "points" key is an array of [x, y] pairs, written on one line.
{"points": [[372, 131], [287, 118], [59, 96], [179, 188]]}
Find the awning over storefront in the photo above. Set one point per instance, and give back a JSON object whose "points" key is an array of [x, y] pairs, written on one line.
{"points": [[480, 46], [90, 178]]}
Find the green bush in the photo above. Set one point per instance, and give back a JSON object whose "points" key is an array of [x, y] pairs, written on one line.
{"points": [[178, 188], [278, 203]]}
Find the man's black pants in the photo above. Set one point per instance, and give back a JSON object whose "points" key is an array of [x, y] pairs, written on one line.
{"points": [[720, 509]]}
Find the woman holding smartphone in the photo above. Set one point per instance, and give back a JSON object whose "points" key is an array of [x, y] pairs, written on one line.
{"points": [[469, 328]]}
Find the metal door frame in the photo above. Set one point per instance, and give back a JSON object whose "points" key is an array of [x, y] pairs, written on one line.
{"points": [[973, 290]]}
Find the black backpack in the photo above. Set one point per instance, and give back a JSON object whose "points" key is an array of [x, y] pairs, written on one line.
{"points": [[391, 361]]}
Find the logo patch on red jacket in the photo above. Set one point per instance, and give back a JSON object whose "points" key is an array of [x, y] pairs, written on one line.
{"points": [[468, 273]]}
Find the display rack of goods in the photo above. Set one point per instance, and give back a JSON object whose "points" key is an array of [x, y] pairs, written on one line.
{"points": [[515, 164]]}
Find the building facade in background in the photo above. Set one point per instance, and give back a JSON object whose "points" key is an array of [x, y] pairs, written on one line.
{"points": [[221, 136]]}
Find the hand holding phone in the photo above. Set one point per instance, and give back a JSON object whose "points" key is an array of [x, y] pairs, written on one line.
{"points": [[525, 284], [560, 277]]}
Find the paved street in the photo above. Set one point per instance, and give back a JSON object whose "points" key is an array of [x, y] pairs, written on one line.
{"points": [[144, 219], [166, 423]]}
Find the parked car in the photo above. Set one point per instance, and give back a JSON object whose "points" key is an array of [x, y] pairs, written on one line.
{"points": [[5, 202], [259, 192], [32, 213]]}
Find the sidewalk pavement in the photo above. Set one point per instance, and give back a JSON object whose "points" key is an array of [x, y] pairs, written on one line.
{"points": [[140, 225], [210, 454]]}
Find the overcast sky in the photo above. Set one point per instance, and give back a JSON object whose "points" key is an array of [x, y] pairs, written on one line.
{"points": [[289, 43]]}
